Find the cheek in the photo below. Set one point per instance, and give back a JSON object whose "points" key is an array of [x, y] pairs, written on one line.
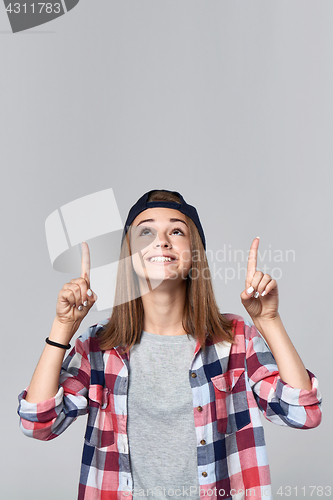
{"points": [[186, 256], [136, 262], [143, 245]]}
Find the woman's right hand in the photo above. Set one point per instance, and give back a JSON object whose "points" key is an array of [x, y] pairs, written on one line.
{"points": [[76, 298]]}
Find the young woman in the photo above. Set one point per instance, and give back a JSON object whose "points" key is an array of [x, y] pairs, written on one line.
{"points": [[173, 389]]}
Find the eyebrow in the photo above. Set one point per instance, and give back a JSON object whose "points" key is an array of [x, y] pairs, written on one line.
{"points": [[153, 220]]}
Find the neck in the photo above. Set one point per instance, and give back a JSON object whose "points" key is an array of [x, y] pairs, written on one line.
{"points": [[163, 310]]}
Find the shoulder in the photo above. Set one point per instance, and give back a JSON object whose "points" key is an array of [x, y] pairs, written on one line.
{"points": [[239, 322], [233, 317], [92, 330], [242, 326], [88, 340]]}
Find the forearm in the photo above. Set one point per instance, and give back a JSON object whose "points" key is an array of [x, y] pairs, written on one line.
{"points": [[45, 380], [291, 368]]}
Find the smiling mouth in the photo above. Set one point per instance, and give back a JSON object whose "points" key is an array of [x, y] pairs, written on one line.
{"points": [[161, 259]]}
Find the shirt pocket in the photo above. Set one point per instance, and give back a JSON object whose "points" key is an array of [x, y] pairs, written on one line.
{"points": [[99, 431], [232, 410]]}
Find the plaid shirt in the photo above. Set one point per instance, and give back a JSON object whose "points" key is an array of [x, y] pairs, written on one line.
{"points": [[231, 384]]}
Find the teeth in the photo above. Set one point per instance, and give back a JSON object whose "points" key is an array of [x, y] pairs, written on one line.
{"points": [[160, 259]]}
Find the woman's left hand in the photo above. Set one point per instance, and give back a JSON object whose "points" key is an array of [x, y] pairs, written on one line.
{"points": [[260, 297]]}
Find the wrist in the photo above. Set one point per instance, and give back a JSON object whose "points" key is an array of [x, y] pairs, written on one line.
{"points": [[267, 326], [62, 332]]}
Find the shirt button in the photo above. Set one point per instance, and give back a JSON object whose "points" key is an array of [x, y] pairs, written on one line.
{"points": [[204, 474], [199, 408], [193, 375], [202, 441]]}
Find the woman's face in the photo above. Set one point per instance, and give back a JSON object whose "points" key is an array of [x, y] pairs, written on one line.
{"points": [[160, 245]]}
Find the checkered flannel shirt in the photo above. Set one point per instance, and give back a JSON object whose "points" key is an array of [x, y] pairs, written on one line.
{"points": [[231, 384]]}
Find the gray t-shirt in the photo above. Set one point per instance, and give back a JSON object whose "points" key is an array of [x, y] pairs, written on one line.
{"points": [[161, 431]]}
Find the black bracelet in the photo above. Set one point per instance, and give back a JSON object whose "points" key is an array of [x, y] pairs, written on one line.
{"points": [[55, 344]]}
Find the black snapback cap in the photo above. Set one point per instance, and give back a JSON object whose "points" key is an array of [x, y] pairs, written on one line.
{"points": [[183, 207]]}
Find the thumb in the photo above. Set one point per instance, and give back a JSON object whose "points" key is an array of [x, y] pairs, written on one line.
{"points": [[247, 294], [91, 297]]}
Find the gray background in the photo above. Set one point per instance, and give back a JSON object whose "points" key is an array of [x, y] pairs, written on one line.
{"points": [[229, 102]]}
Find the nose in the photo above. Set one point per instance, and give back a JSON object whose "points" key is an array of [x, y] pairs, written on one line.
{"points": [[162, 241]]}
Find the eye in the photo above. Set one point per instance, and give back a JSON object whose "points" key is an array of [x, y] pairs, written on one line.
{"points": [[145, 231], [178, 231]]}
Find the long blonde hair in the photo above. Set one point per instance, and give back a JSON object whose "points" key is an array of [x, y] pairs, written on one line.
{"points": [[201, 317]]}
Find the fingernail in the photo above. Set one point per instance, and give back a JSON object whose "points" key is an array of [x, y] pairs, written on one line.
{"points": [[80, 308], [85, 303], [263, 293], [250, 290], [256, 295], [89, 292], [258, 237]]}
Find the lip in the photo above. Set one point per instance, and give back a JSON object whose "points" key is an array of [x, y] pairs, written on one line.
{"points": [[174, 259]]}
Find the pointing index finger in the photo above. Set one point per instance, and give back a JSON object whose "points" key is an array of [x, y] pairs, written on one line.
{"points": [[85, 262], [252, 261]]}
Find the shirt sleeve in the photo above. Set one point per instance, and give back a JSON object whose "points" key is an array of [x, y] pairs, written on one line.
{"points": [[280, 403], [47, 419]]}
